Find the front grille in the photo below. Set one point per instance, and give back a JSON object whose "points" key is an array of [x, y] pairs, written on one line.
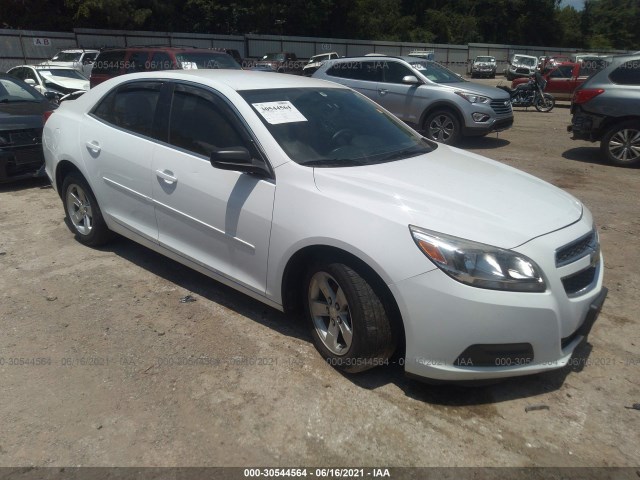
{"points": [[31, 136], [579, 281], [523, 71], [577, 249], [501, 107]]}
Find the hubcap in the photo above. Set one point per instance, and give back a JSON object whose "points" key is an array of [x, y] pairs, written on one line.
{"points": [[441, 128], [625, 145], [330, 313], [79, 209]]}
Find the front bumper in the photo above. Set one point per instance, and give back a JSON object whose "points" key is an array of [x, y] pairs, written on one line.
{"points": [[532, 332], [21, 162], [494, 125]]}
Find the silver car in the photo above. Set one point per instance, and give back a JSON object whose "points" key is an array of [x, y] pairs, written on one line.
{"points": [[425, 95]]}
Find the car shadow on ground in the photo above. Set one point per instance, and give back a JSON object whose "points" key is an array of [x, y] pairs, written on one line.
{"points": [[202, 286], [483, 143], [25, 184], [443, 394], [585, 155]]}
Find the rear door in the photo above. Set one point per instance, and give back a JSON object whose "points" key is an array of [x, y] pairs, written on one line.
{"points": [[219, 219], [118, 138], [362, 76]]}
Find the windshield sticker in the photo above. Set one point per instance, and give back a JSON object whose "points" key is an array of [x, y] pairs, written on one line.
{"points": [[189, 65], [279, 112]]}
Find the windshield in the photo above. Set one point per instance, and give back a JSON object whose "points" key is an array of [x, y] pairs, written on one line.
{"points": [[319, 58], [206, 60], [435, 72], [12, 92], [62, 72], [525, 61], [67, 57], [485, 59], [333, 127], [279, 57]]}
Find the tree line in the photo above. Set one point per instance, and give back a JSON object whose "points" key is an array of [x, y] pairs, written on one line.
{"points": [[601, 24]]}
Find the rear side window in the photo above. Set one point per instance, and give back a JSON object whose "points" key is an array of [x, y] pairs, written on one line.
{"points": [[627, 74], [160, 61], [131, 107], [564, 71], [199, 123], [109, 62], [365, 71], [137, 62]]}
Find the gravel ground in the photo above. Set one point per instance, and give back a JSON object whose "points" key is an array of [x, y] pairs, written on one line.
{"points": [[120, 383]]}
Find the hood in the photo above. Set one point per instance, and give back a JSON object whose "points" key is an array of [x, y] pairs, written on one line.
{"points": [[69, 83], [473, 87], [458, 193]]}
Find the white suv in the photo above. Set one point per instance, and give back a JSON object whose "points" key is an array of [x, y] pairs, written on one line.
{"points": [[79, 59]]}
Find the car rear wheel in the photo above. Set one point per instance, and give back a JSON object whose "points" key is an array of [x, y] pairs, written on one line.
{"points": [[621, 144], [348, 321], [442, 126], [84, 217]]}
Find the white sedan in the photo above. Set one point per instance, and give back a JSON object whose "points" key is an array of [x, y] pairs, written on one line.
{"points": [[309, 197], [60, 81]]}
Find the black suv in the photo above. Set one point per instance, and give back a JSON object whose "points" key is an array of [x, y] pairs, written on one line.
{"points": [[606, 108]]}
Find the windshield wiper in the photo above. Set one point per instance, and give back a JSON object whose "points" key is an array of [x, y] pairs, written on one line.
{"points": [[333, 162]]}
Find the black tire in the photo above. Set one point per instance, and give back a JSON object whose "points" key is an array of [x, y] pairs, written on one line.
{"points": [[372, 340], [546, 104], [442, 126], [91, 229], [624, 136], [509, 77]]}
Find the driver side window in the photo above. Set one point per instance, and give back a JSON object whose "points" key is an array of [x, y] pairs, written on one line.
{"points": [[395, 72], [200, 123]]}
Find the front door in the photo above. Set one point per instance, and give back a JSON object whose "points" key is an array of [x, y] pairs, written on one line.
{"points": [[219, 219]]}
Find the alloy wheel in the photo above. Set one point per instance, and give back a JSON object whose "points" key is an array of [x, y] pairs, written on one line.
{"points": [[79, 208], [441, 128], [624, 145], [330, 313]]}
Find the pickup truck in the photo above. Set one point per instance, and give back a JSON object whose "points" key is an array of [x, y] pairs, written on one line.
{"points": [[281, 62], [563, 78]]}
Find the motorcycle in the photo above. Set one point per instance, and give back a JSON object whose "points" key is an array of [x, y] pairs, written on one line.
{"points": [[531, 93]]}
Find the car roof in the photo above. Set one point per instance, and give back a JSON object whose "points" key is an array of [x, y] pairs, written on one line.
{"points": [[236, 79], [161, 48], [78, 50]]}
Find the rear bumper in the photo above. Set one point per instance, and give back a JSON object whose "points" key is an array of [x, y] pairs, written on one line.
{"points": [[585, 126]]}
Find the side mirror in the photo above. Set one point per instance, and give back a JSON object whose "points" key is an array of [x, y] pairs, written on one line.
{"points": [[238, 159], [410, 79], [30, 81]]}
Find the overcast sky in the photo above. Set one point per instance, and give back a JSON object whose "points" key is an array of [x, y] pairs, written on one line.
{"points": [[577, 4]]}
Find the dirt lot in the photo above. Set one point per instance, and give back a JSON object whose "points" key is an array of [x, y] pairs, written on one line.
{"points": [[119, 385]]}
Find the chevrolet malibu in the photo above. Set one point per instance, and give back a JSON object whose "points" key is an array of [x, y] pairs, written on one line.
{"points": [[309, 197]]}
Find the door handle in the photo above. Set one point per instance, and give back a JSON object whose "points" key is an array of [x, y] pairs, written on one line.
{"points": [[93, 146], [383, 91], [166, 176]]}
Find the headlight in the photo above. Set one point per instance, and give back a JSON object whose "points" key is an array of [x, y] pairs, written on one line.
{"points": [[472, 97], [479, 265]]}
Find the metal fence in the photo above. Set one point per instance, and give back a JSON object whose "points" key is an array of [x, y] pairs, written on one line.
{"points": [[18, 47]]}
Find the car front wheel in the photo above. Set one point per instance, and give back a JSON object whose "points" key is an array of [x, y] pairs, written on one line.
{"points": [[442, 126], [348, 321], [621, 144], [84, 217]]}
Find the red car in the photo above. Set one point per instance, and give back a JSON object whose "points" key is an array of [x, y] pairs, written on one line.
{"points": [[562, 79]]}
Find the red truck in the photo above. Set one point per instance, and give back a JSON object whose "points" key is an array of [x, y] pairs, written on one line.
{"points": [[563, 78]]}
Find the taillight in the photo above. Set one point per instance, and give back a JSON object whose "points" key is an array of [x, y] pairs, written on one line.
{"points": [[46, 115], [586, 94]]}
